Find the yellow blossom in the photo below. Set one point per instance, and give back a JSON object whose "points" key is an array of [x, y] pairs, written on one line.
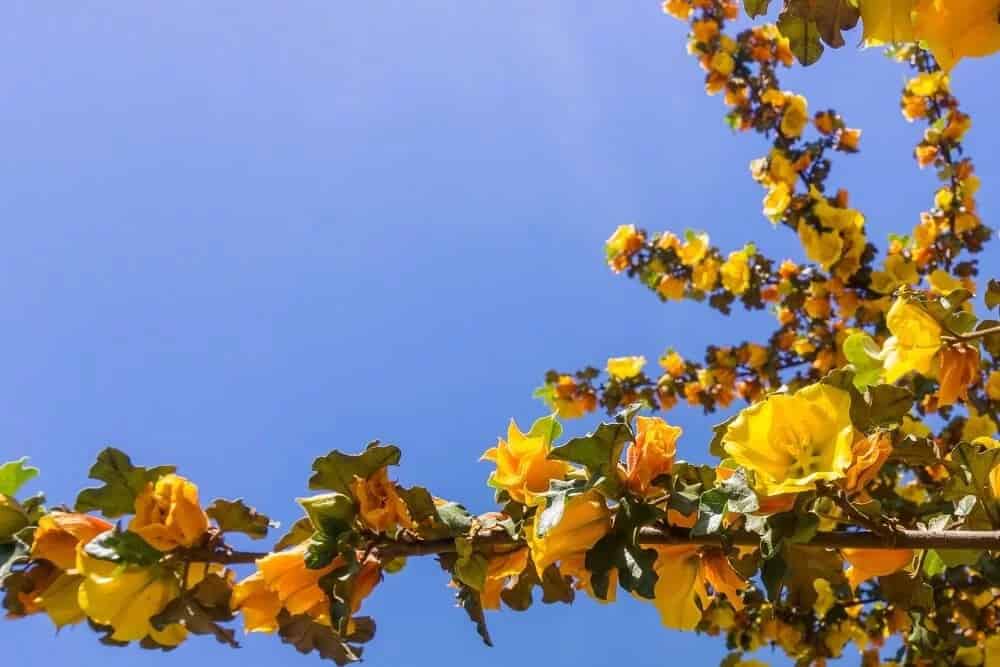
{"points": [[168, 515], [886, 21], [585, 520], [679, 9], [736, 272], [684, 574], [380, 506], [651, 455], [722, 63], [523, 468], [868, 563], [915, 341], [673, 364], [671, 288], [792, 441], [959, 370], [868, 455], [993, 386], [796, 116], [126, 597], [625, 368], [694, 248], [824, 248], [776, 201], [942, 282], [60, 533], [956, 29], [705, 275], [825, 597], [499, 569], [898, 271]]}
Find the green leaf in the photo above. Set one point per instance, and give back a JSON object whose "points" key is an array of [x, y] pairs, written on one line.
{"points": [[470, 568], [14, 475], [12, 518], [300, 531], [990, 341], [863, 353], [235, 516], [831, 17], [547, 427], [469, 600], [969, 472], [123, 484], [123, 547], [201, 610], [336, 471], [308, 636], [888, 404], [331, 513], [992, 296], [803, 37], [599, 452], [620, 550], [715, 447], [435, 521], [559, 493], [755, 8], [934, 564]]}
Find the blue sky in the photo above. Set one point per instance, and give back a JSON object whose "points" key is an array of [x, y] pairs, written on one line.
{"points": [[237, 235]]}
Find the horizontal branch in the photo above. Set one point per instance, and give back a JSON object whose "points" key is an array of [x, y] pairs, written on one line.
{"points": [[899, 539]]}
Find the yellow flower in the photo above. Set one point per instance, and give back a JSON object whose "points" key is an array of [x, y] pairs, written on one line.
{"points": [[956, 29], [705, 30], [792, 441], [499, 569], [626, 240], [868, 456], [523, 468], [898, 271], [585, 520], [625, 368], [993, 386], [736, 272], [282, 581], [796, 116], [824, 248], [61, 600], [694, 248], [915, 341], [722, 63], [705, 275], [868, 563], [776, 201], [942, 282], [886, 21], [671, 288], [836, 217], [679, 9], [674, 365], [927, 84], [59, 534], [825, 597], [168, 515], [651, 455], [959, 370], [679, 587], [681, 592], [379, 503], [780, 169], [126, 597]]}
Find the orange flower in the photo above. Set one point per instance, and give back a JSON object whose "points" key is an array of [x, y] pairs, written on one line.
{"points": [[868, 563], [60, 533], [959, 370], [168, 514], [523, 467], [869, 454], [379, 503], [651, 455], [499, 569], [283, 581]]}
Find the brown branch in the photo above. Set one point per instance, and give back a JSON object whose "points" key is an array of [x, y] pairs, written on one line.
{"points": [[898, 539]]}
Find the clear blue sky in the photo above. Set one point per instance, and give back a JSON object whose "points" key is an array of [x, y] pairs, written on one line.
{"points": [[238, 234]]}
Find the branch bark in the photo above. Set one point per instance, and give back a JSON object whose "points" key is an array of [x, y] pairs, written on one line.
{"points": [[899, 539]]}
